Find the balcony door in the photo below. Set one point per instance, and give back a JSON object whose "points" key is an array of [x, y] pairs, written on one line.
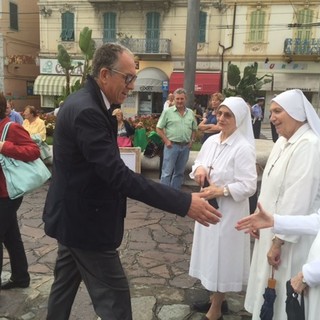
{"points": [[153, 32], [109, 27]]}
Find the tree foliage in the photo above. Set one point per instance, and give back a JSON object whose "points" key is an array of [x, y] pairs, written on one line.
{"points": [[249, 85], [87, 47]]}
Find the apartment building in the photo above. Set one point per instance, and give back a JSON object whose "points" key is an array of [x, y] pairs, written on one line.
{"points": [[282, 36], [19, 49]]}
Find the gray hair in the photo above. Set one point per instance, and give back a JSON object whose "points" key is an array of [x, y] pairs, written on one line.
{"points": [[107, 56], [180, 91]]}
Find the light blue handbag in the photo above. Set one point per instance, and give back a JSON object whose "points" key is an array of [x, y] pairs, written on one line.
{"points": [[22, 177]]}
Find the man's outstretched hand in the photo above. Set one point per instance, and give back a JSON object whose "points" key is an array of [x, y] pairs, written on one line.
{"points": [[201, 211]]}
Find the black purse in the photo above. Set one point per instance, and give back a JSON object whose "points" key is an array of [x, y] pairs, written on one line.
{"points": [[213, 202]]}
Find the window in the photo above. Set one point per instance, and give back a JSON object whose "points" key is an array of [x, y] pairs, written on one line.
{"points": [[202, 27], [153, 32], [304, 16], [109, 27], [67, 33], [30, 85], [13, 16], [257, 25]]}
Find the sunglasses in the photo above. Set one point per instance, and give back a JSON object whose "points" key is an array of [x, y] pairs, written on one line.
{"points": [[128, 78]]}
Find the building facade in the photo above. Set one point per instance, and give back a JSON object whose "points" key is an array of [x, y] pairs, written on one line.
{"points": [[19, 49], [281, 36]]}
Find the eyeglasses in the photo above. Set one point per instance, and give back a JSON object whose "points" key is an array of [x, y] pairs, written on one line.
{"points": [[226, 115], [128, 78]]}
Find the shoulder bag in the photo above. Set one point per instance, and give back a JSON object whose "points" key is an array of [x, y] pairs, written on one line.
{"points": [[22, 177]]}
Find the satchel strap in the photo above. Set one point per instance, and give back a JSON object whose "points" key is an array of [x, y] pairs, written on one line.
{"points": [[5, 131]]}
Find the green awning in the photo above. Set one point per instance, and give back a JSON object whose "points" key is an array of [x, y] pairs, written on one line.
{"points": [[51, 85]]}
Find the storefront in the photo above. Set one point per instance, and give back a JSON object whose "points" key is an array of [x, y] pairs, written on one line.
{"points": [[51, 82], [150, 90], [206, 83]]}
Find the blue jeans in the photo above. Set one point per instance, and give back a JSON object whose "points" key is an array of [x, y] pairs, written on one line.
{"points": [[174, 164]]}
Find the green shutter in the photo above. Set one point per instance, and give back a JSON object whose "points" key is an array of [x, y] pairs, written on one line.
{"points": [[202, 27], [109, 27], [67, 33], [257, 25], [153, 32], [13, 16], [304, 16]]}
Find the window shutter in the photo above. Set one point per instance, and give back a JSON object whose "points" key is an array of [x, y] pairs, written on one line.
{"points": [[202, 27], [109, 30], [67, 33]]}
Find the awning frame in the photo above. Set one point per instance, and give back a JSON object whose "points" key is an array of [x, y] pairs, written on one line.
{"points": [[52, 85]]}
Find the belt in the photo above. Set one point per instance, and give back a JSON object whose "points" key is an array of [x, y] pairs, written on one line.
{"points": [[180, 143]]}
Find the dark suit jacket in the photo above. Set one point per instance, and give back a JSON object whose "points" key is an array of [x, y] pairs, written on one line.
{"points": [[86, 202]]}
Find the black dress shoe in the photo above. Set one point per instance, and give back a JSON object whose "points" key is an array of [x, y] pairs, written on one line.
{"points": [[205, 306], [13, 284]]}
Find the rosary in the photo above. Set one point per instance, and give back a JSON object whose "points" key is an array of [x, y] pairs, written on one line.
{"points": [[214, 157]]}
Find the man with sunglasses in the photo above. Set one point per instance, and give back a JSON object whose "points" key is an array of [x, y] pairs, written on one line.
{"points": [[86, 202]]}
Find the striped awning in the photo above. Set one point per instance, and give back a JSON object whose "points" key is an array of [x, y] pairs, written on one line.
{"points": [[52, 85]]}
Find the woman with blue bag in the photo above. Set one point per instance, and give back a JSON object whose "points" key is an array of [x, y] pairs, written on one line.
{"points": [[18, 145]]}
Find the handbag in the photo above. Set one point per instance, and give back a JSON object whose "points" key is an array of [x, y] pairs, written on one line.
{"points": [[45, 150], [140, 138], [124, 141], [22, 177]]}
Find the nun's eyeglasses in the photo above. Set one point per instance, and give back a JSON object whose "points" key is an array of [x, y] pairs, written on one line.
{"points": [[226, 115], [128, 78]]}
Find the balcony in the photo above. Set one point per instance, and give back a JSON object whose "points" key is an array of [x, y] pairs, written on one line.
{"points": [[302, 49], [152, 48], [129, 5]]}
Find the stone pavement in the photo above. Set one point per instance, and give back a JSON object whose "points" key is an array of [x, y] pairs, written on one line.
{"points": [[155, 253]]}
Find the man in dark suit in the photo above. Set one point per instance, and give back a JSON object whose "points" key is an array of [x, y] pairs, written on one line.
{"points": [[86, 202]]}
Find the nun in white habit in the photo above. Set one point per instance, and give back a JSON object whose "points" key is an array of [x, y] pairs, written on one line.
{"points": [[290, 186], [220, 255]]}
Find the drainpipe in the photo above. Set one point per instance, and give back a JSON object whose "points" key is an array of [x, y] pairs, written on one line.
{"points": [[224, 49]]}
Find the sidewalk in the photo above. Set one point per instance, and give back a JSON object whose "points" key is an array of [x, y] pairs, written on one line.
{"points": [[155, 254]]}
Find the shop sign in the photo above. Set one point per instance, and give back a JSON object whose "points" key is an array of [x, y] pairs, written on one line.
{"points": [[52, 66], [146, 88]]}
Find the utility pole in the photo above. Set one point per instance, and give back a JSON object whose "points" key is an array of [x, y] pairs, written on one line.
{"points": [[190, 61]]}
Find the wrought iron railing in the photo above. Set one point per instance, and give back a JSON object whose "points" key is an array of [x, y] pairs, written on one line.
{"points": [[142, 46], [298, 46]]}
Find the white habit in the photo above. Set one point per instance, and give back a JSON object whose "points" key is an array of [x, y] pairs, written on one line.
{"points": [[220, 255], [290, 186]]}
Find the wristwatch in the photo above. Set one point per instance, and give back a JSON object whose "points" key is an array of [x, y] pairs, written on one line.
{"points": [[226, 191], [304, 281]]}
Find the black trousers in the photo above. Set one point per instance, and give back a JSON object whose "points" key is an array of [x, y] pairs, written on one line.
{"points": [[103, 275], [10, 237], [256, 126]]}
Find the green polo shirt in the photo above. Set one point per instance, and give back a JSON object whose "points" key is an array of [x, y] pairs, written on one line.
{"points": [[178, 128]]}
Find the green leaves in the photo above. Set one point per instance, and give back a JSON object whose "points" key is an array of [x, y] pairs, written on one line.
{"points": [[248, 86], [64, 58], [86, 43]]}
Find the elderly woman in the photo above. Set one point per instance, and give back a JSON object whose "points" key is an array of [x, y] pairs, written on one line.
{"points": [[18, 145], [125, 130], [220, 255], [33, 124], [290, 186], [309, 277]]}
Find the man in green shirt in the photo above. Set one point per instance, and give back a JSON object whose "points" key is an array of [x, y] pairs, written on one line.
{"points": [[177, 128]]}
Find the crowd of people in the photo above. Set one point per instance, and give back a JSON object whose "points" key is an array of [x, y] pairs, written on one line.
{"points": [[85, 206]]}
